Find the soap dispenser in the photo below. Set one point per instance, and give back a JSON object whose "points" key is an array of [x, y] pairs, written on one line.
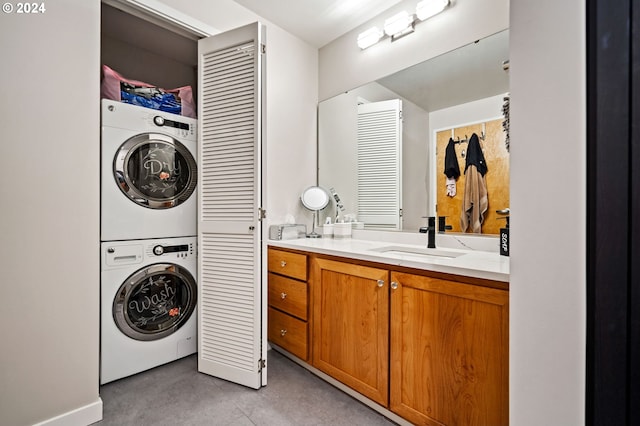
{"points": [[504, 238]]}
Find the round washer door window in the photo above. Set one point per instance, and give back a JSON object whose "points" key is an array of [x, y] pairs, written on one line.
{"points": [[155, 171], [155, 301]]}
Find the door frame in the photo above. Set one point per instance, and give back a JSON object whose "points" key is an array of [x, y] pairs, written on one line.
{"points": [[613, 202], [173, 20]]}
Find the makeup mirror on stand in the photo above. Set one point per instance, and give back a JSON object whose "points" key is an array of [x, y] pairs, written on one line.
{"points": [[315, 199]]}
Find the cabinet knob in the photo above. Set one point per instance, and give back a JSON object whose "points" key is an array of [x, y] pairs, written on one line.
{"points": [[283, 263], [283, 332], [283, 296], [394, 285], [380, 283]]}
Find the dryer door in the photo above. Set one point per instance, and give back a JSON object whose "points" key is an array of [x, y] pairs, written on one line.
{"points": [[155, 171], [155, 301]]}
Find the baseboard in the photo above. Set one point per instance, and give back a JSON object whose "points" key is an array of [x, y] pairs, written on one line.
{"points": [[82, 416]]}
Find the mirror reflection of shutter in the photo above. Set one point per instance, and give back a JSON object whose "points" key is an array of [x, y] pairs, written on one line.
{"points": [[231, 343], [379, 164]]}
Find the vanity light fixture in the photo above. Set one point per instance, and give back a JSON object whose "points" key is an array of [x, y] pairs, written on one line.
{"points": [[369, 37], [399, 25], [428, 8], [402, 23]]}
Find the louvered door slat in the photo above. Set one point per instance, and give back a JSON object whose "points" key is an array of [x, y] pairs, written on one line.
{"points": [[379, 159], [230, 277]]}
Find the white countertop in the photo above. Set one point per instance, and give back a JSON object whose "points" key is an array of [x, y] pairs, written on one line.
{"points": [[471, 263]]}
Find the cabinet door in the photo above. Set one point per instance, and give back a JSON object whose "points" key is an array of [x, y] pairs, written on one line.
{"points": [[351, 326], [232, 320], [449, 352]]}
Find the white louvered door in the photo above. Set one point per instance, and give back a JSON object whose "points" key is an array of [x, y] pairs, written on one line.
{"points": [[379, 164], [231, 300]]}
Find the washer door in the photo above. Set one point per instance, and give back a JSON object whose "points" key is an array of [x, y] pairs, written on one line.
{"points": [[155, 301], [155, 171]]}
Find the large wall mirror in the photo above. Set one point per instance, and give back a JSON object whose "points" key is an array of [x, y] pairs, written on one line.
{"points": [[381, 146]]}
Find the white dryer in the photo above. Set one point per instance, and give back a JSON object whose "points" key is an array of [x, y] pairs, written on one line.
{"points": [[148, 304], [148, 173]]}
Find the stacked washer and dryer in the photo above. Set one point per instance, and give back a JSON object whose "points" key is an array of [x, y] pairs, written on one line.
{"points": [[148, 239]]}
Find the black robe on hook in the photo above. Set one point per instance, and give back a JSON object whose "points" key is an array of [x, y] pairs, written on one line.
{"points": [[475, 155], [451, 167]]}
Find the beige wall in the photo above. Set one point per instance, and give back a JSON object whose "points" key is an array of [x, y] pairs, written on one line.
{"points": [[548, 284], [49, 226]]}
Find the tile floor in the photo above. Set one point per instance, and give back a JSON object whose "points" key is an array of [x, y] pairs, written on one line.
{"points": [[176, 394]]}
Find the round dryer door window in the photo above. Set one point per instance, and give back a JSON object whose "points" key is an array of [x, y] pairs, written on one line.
{"points": [[155, 301], [155, 171]]}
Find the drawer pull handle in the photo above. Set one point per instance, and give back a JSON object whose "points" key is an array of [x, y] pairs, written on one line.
{"points": [[283, 296], [394, 285], [283, 332], [380, 283], [283, 263]]}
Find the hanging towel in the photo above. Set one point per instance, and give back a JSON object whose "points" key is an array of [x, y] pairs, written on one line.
{"points": [[475, 200], [451, 187], [451, 168]]}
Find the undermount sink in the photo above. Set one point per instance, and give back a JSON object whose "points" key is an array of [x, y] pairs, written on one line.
{"points": [[446, 254]]}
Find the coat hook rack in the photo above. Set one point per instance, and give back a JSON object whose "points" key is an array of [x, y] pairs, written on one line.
{"points": [[457, 139], [465, 140]]}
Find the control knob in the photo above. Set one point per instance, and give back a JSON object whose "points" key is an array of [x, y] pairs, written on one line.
{"points": [[159, 121], [158, 250]]}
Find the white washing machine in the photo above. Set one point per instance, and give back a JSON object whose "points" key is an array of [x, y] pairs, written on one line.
{"points": [[148, 304], [148, 173]]}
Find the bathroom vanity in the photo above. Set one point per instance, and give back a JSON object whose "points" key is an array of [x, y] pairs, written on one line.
{"points": [[413, 332]]}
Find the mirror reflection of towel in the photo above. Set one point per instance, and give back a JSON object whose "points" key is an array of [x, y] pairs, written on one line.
{"points": [[475, 201], [451, 168], [451, 187]]}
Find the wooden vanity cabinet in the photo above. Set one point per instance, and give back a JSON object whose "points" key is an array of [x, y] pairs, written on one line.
{"points": [[449, 352], [351, 326], [288, 301], [432, 348]]}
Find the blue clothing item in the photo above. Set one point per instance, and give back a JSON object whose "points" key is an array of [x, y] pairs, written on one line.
{"points": [[161, 101]]}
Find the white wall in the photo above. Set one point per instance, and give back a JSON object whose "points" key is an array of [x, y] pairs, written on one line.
{"points": [[292, 99], [344, 66], [49, 226], [548, 204], [548, 162]]}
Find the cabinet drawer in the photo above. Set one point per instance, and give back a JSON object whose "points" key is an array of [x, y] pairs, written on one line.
{"points": [[288, 332], [288, 295], [293, 265]]}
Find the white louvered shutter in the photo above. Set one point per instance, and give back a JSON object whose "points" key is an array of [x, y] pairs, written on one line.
{"points": [[379, 164], [231, 301]]}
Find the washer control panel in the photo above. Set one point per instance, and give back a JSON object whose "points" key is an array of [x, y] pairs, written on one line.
{"points": [[177, 250]]}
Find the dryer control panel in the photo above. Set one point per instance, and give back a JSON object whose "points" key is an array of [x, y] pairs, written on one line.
{"points": [[174, 126], [140, 119]]}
